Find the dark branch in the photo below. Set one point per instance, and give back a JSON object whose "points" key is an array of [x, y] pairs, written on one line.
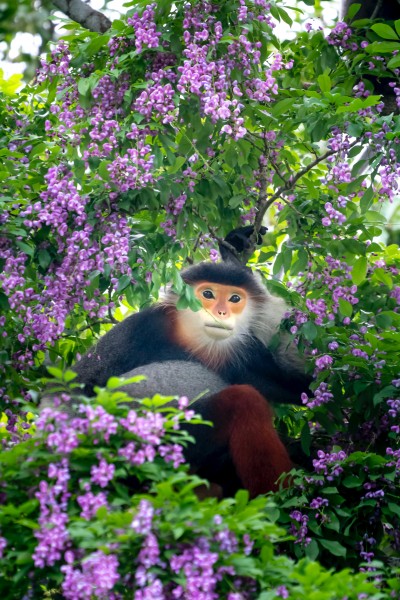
{"points": [[264, 202], [83, 14]]}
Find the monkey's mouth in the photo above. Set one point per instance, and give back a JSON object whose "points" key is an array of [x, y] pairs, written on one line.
{"points": [[219, 326], [218, 331]]}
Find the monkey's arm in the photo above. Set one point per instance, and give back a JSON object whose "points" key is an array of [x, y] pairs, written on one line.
{"points": [[140, 339], [277, 382]]}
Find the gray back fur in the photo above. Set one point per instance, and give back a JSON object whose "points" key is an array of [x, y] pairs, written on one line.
{"points": [[174, 378], [170, 378]]}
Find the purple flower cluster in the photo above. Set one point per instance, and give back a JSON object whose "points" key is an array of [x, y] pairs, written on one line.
{"points": [[207, 75], [196, 563], [149, 430], [144, 26], [62, 208], [134, 169], [57, 65], [335, 277], [3, 544], [322, 395], [90, 502], [102, 473], [323, 362], [340, 36], [96, 577], [53, 536], [394, 413], [328, 464], [157, 102], [299, 528], [333, 215], [192, 565]]}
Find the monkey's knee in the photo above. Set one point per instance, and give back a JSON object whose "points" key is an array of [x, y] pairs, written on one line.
{"points": [[241, 401], [257, 452]]}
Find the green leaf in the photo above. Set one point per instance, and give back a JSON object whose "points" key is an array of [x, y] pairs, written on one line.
{"points": [[382, 47], [394, 62], [352, 11], [312, 551], [309, 330], [385, 31], [394, 508], [301, 262], [44, 258], [123, 282], [359, 271], [345, 307], [282, 106], [381, 275], [284, 16], [333, 547], [352, 481], [325, 83], [366, 199], [179, 162], [84, 86], [25, 248]]}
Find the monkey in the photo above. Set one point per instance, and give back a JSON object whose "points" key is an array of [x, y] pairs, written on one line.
{"points": [[223, 350], [230, 335]]}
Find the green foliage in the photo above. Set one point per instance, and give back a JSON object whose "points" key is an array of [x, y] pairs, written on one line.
{"points": [[115, 172], [241, 535]]}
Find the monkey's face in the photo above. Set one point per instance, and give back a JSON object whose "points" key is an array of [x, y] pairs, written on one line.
{"points": [[223, 307]]}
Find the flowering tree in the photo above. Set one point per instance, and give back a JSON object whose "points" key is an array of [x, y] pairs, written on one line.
{"points": [[132, 152]]}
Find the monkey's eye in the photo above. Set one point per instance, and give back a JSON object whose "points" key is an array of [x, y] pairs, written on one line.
{"points": [[208, 294], [235, 298]]}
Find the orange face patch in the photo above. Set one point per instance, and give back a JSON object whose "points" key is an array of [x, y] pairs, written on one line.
{"points": [[222, 301]]}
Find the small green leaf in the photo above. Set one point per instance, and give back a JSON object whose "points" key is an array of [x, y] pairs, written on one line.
{"points": [[333, 547], [366, 199], [359, 271], [325, 83], [394, 62], [384, 47], [44, 258], [352, 11], [84, 86], [282, 106], [352, 481], [385, 31], [345, 307], [179, 162], [309, 331]]}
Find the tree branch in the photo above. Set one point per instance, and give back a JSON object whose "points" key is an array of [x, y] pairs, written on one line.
{"points": [[264, 202], [83, 14]]}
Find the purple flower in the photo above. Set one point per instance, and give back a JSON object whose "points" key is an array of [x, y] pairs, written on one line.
{"points": [[3, 544], [90, 503], [103, 473], [323, 362], [96, 577], [143, 519], [53, 534]]}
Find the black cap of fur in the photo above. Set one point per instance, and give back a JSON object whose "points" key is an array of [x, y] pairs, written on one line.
{"points": [[225, 273]]}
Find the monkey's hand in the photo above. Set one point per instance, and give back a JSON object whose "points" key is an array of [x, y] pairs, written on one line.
{"points": [[240, 238]]}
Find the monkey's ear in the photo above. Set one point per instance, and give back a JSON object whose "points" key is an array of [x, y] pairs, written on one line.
{"points": [[239, 240]]}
